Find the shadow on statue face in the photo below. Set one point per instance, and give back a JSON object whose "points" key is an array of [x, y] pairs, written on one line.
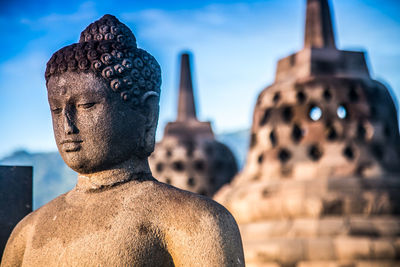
{"points": [[94, 129]]}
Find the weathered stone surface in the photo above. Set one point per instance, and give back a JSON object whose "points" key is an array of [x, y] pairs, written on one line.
{"points": [[15, 198], [188, 156], [350, 248], [103, 94], [323, 263], [382, 263], [322, 171], [348, 264], [320, 249], [272, 264], [332, 226], [383, 249], [341, 249]]}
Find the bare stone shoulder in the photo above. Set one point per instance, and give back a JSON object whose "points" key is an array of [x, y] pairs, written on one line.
{"points": [[29, 221], [20, 232], [172, 201], [196, 228], [17, 241]]}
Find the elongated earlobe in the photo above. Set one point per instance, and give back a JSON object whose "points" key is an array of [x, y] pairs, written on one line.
{"points": [[148, 95], [151, 110]]}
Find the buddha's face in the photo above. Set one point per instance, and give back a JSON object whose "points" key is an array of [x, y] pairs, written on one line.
{"points": [[94, 129]]}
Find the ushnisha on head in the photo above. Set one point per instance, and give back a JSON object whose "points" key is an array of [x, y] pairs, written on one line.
{"points": [[104, 96], [108, 49]]}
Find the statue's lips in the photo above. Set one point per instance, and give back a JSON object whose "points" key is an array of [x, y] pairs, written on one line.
{"points": [[71, 145]]}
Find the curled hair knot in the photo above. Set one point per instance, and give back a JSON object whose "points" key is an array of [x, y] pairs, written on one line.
{"points": [[108, 49]]}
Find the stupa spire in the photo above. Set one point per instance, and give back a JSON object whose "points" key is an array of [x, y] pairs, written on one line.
{"points": [[186, 105], [319, 27]]}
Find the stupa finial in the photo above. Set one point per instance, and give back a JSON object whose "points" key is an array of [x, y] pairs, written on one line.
{"points": [[186, 105], [319, 27]]}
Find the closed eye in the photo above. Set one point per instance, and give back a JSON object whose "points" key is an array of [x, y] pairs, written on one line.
{"points": [[56, 110], [86, 105]]}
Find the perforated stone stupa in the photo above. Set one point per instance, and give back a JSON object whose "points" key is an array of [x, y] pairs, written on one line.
{"points": [[321, 182], [188, 156]]}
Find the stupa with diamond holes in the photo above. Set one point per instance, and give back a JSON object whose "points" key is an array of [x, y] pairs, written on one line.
{"points": [[321, 186], [188, 156]]}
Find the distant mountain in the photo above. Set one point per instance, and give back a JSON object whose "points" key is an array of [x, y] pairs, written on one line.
{"points": [[52, 177], [238, 142]]}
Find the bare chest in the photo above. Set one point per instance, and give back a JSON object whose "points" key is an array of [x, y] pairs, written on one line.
{"points": [[91, 237]]}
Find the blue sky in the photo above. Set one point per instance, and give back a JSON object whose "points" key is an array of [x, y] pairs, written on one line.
{"points": [[235, 45]]}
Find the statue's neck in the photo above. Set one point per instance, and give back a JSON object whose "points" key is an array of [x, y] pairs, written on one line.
{"points": [[130, 170]]}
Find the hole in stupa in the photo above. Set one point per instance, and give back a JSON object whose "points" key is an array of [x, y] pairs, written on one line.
{"points": [[315, 152], [331, 133], [314, 112], [265, 117], [353, 95], [273, 139], [287, 114], [361, 131], [301, 97], [348, 152], [284, 155], [297, 133], [199, 165], [159, 167], [327, 94], [191, 182], [277, 97], [377, 151], [178, 165], [260, 158], [342, 112]]}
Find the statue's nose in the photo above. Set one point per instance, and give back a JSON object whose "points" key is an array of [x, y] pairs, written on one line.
{"points": [[69, 124]]}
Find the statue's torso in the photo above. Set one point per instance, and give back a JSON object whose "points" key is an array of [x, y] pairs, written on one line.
{"points": [[116, 227], [132, 224]]}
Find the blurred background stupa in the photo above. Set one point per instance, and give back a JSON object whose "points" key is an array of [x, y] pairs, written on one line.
{"points": [[321, 182], [188, 156]]}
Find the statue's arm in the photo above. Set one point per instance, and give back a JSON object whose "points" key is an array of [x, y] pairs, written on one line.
{"points": [[211, 238], [15, 248]]}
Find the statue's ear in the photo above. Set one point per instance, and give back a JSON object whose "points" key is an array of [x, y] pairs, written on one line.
{"points": [[151, 107]]}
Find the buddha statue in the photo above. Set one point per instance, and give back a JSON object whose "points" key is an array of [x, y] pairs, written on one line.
{"points": [[104, 99]]}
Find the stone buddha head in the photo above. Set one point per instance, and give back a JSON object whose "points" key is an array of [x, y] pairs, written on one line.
{"points": [[104, 98]]}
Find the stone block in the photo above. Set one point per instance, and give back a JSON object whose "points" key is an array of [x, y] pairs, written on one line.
{"points": [[262, 264], [320, 249], [261, 251], [362, 226], [293, 203], [292, 251], [352, 248], [15, 198], [331, 226], [282, 250], [264, 229], [314, 207], [396, 244], [383, 249], [304, 228], [387, 225], [382, 263], [320, 264]]}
